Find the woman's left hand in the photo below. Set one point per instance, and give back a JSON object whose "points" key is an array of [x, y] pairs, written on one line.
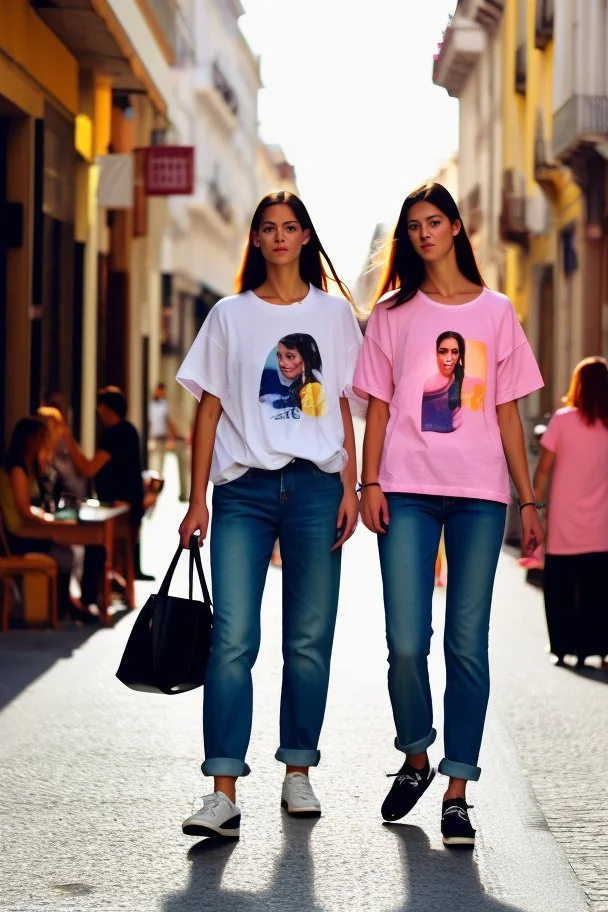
{"points": [[348, 515], [532, 532]]}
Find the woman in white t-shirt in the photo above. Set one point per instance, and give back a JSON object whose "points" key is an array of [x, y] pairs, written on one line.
{"points": [[272, 367], [443, 362]]}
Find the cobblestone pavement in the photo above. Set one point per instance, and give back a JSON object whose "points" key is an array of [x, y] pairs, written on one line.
{"points": [[96, 778]]}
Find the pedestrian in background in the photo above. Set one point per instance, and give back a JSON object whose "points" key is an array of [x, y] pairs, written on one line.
{"points": [[424, 471], [162, 435], [117, 472], [279, 470], [574, 459]]}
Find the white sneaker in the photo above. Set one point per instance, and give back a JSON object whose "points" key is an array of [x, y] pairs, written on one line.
{"points": [[298, 798], [219, 816]]}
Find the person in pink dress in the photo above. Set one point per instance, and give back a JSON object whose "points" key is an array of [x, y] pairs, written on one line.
{"points": [[574, 458]]}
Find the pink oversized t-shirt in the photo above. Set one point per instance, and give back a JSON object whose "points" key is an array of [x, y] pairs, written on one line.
{"points": [[578, 505], [443, 369]]}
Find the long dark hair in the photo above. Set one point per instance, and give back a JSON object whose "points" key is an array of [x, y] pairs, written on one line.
{"points": [[455, 390], [405, 269], [308, 350], [589, 390], [314, 262], [24, 433]]}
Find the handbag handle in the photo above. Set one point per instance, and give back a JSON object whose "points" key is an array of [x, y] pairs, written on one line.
{"points": [[195, 558]]}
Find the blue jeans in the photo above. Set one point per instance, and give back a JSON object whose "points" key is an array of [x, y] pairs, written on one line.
{"points": [[473, 536], [298, 505]]}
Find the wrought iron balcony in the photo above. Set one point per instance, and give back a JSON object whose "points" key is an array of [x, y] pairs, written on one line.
{"points": [[512, 222], [521, 69], [543, 23], [472, 210], [487, 13], [581, 122], [464, 41], [213, 86]]}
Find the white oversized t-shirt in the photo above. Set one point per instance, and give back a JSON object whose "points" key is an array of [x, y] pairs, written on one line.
{"points": [[279, 372]]}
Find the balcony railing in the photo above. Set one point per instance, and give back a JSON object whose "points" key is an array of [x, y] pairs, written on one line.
{"points": [[521, 69], [221, 203], [583, 119], [513, 224], [464, 41], [224, 88], [487, 13], [543, 24], [472, 208]]}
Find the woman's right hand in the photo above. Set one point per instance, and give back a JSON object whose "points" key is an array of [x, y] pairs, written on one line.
{"points": [[374, 510], [196, 519]]}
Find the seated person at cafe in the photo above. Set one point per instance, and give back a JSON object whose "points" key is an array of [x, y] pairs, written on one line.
{"points": [[28, 526], [117, 472], [56, 414]]}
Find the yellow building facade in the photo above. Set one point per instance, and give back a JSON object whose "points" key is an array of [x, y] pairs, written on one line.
{"points": [[542, 206], [72, 88]]}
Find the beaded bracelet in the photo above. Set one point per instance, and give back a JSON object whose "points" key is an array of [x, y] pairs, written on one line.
{"points": [[532, 503]]}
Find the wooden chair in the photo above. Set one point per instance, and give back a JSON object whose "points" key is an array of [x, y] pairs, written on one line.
{"points": [[27, 566]]}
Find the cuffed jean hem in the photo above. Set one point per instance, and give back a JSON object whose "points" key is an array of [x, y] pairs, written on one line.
{"points": [[417, 747], [459, 770], [225, 766], [297, 757]]}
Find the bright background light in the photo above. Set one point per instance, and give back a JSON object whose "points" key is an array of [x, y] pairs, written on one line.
{"points": [[348, 94]]}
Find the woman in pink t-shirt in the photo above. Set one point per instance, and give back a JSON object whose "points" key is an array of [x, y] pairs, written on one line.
{"points": [[575, 456], [443, 363]]}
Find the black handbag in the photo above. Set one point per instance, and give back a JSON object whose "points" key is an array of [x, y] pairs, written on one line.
{"points": [[168, 648]]}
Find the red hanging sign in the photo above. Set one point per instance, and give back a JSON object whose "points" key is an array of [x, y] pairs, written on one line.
{"points": [[169, 170]]}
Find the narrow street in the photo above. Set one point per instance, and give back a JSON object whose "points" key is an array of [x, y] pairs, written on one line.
{"points": [[97, 778]]}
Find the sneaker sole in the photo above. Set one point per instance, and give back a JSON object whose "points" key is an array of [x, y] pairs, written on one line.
{"points": [[301, 812], [459, 842], [193, 828]]}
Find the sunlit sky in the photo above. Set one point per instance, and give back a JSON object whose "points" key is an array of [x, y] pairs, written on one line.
{"points": [[348, 94]]}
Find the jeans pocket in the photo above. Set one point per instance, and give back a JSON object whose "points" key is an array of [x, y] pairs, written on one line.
{"points": [[319, 473]]}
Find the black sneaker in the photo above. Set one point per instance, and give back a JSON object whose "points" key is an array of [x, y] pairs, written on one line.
{"points": [[409, 785], [456, 827]]}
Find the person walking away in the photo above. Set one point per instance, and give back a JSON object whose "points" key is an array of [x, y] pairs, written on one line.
{"points": [[282, 461], [163, 434], [574, 461], [444, 361]]}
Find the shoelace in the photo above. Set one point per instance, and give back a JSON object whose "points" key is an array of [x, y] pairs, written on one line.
{"points": [[209, 802], [456, 809], [400, 777]]}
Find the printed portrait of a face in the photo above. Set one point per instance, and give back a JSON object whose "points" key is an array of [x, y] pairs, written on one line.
{"points": [[292, 379], [457, 383]]}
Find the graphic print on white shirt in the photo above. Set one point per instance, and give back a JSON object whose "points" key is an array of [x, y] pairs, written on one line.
{"points": [[292, 379]]}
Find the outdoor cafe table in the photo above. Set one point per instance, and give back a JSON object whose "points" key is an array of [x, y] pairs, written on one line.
{"points": [[102, 525]]}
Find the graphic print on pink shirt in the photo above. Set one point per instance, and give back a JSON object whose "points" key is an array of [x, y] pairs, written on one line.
{"points": [[459, 383]]}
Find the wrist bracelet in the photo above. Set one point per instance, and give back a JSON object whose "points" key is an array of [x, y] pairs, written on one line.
{"points": [[368, 484], [532, 503]]}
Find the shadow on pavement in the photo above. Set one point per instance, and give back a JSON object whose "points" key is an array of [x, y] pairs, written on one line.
{"points": [[291, 888], [440, 879], [588, 671], [27, 654]]}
